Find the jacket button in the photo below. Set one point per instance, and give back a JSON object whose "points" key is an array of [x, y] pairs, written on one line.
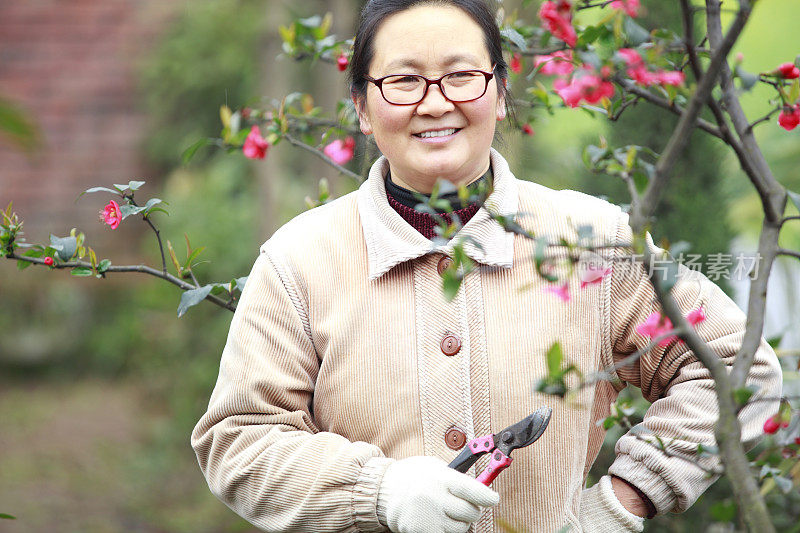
{"points": [[451, 345], [455, 438], [444, 264]]}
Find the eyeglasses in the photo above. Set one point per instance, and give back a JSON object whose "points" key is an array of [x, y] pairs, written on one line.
{"points": [[409, 89]]}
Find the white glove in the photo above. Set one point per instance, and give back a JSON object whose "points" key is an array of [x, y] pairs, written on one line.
{"points": [[424, 495], [601, 511]]}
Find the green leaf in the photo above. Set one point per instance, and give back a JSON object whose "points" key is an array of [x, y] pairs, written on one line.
{"points": [[451, 282], [707, 449], [193, 297], [667, 273], [128, 209], [747, 79], [188, 154], [635, 34], [794, 91], [22, 265], [783, 483], [609, 422], [795, 198], [590, 35], [82, 272], [775, 340], [594, 154], [723, 511], [99, 189], [103, 265], [7, 516], [515, 37], [64, 246], [743, 394], [554, 359]]}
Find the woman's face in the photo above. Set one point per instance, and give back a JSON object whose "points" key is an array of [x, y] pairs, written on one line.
{"points": [[431, 41]]}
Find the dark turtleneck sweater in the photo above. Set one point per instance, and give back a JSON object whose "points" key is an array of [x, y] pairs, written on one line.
{"points": [[404, 202]]}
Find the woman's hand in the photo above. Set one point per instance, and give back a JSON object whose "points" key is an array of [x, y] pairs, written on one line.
{"points": [[602, 512], [422, 494]]}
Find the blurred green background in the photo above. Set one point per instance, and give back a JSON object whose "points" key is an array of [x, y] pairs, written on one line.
{"points": [[101, 384]]}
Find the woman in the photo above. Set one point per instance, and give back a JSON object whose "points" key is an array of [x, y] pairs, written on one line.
{"points": [[348, 382]]}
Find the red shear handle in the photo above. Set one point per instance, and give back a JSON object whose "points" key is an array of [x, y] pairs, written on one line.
{"points": [[497, 464]]}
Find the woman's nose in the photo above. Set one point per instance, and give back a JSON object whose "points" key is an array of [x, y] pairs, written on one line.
{"points": [[434, 103]]}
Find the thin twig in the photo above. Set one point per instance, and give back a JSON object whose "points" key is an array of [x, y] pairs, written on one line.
{"points": [[762, 119], [331, 162], [787, 219], [790, 253], [663, 449]]}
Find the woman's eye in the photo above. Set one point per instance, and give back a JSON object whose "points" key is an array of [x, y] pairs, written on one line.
{"points": [[404, 79]]}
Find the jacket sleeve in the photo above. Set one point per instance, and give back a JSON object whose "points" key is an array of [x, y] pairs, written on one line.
{"points": [[257, 444], [684, 407]]}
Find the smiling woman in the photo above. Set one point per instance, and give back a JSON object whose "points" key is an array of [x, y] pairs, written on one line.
{"points": [[439, 136], [348, 381]]}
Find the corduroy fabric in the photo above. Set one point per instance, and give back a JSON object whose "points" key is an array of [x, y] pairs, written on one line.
{"points": [[332, 367]]}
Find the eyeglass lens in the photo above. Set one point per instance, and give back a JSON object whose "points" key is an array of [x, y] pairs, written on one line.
{"points": [[457, 87]]}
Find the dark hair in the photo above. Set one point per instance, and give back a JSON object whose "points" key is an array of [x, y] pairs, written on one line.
{"points": [[376, 11]]}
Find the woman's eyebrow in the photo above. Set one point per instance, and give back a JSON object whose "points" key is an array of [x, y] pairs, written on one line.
{"points": [[410, 62]]}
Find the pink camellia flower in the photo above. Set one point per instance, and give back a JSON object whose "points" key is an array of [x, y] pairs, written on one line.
{"points": [[631, 7], [771, 426], [557, 17], [631, 57], [696, 316], [587, 87], [669, 77], [593, 273], [111, 214], [342, 62], [562, 291], [555, 64], [255, 146], [654, 326], [789, 117], [527, 129], [516, 63], [340, 151], [789, 71]]}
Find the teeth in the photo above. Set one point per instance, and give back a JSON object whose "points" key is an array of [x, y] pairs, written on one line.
{"points": [[440, 133]]}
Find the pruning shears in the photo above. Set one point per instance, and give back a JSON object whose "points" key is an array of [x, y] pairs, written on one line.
{"points": [[501, 444]]}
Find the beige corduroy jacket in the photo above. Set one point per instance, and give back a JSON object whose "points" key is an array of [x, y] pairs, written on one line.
{"points": [[334, 367]]}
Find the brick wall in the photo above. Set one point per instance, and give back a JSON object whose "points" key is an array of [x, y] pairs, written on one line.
{"points": [[71, 64]]}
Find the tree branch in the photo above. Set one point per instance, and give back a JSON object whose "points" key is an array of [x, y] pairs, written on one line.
{"points": [[144, 269], [680, 137], [663, 103]]}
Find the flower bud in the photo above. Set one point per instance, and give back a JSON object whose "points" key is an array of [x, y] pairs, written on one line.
{"points": [[342, 62], [771, 426], [788, 71], [48, 261]]}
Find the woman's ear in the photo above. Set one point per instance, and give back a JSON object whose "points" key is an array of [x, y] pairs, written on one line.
{"points": [[363, 116], [501, 104]]}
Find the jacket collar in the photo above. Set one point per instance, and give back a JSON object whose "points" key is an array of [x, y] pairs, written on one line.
{"points": [[391, 240]]}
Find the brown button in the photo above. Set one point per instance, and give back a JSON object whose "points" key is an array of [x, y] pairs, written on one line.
{"points": [[455, 438], [444, 264], [451, 345]]}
